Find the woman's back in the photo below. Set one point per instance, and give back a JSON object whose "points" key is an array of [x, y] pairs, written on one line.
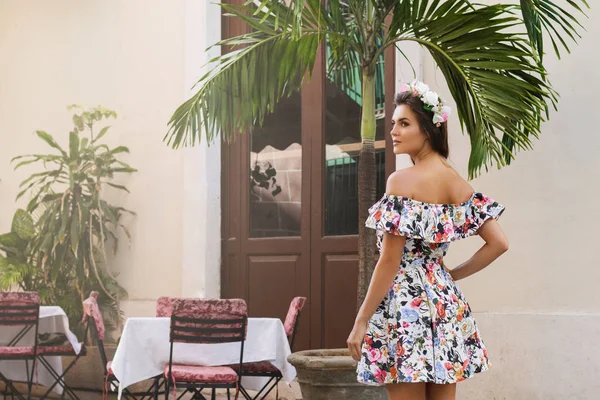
{"points": [[415, 324], [425, 318], [433, 182]]}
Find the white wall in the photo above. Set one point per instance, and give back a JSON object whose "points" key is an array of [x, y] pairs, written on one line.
{"points": [[537, 306], [201, 236], [139, 58]]}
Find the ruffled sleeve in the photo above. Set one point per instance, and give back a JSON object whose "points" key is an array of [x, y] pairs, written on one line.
{"points": [[480, 209], [385, 215], [433, 223]]}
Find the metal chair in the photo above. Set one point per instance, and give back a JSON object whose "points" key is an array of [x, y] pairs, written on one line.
{"points": [[205, 321], [265, 368], [20, 309], [59, 379], [95, 325], [164, 306]]}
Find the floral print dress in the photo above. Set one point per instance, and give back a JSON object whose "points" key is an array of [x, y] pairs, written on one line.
{"points": [[423, 330]]}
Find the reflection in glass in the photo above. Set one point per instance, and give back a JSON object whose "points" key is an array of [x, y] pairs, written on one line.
{"points": [[342, 148], [276, 172]]}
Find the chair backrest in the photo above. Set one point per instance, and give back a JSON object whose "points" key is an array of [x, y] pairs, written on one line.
{"points": [[292, 319], [164, 306], [95, 324], [209, 320], [20, 309]]}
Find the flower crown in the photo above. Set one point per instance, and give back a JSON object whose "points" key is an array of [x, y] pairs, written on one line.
{"points": [[431, 101]]}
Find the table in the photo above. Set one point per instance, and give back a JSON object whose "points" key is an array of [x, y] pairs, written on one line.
{"points": [[52, 319], [143, 351]]}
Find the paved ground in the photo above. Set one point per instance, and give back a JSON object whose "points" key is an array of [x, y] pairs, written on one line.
{"points": [[285, 393]]}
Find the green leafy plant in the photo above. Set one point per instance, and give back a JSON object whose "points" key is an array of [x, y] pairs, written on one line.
{"points": [[16, 270], [67, 251]]}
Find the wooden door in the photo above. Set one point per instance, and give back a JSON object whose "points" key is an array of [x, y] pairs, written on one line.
{"points": [[289, 207], [334, 202]]}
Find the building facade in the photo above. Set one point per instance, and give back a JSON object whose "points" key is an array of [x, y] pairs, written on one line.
{"points": [[211, 222]]}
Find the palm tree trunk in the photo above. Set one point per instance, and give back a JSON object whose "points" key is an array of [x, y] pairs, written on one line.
{"points": [[366, 184]]}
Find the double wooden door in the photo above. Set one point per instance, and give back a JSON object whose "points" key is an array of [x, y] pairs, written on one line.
{"points": [[289, 204]]}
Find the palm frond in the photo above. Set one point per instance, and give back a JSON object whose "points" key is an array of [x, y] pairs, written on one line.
{"points": [[545, 16], [345, 52], [264, 65], [491, 72]]}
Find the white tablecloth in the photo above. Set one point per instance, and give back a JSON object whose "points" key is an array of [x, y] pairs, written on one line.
{"points": [[52, 319], [143, 350]]}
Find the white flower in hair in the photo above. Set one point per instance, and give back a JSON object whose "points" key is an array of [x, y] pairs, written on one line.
{"points": [[440, 114], [441, 109], [431, 98], [422, 88], [437, 119], [431, 101]]}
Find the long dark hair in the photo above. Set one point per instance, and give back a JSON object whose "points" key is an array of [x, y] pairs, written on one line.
{"points": [[438, 136]]}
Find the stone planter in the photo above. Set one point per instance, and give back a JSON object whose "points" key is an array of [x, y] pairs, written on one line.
{"points": [[331, 374]]}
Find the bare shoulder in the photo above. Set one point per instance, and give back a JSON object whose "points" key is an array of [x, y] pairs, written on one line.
{"points": [[439, 186], [402, 182]]}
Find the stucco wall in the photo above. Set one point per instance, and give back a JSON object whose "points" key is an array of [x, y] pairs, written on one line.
{"points": [[537, 306], [139, 58]]}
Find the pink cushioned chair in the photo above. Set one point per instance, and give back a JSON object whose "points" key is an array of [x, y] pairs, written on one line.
{"points": [[59, 379], [95, 325], [265, 368], [164, 306], [205, 321], [20, 309], [292, 318]]}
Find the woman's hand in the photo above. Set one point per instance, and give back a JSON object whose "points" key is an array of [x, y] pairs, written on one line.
{"points": [[449, 271], [356, 338]]}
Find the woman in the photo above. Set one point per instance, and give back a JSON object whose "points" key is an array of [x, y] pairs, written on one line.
{"points": [[414, 331]]}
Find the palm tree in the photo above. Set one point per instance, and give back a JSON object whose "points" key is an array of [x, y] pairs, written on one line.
{"points": [[491, 57]]}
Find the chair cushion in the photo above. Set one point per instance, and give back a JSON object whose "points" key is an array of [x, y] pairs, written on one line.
{"points": [[16, 351], [55, 350], [11, 303], [291, 319], [220, 319], [19, 298], [91, 309], [164, 306], [194, 373], [61, 350], [259, 367]]}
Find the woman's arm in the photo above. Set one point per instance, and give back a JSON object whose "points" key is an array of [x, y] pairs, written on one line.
{"points": [[381, 281], [495, 245]]}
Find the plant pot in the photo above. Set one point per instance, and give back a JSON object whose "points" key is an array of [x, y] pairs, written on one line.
{"points": [[327, 374]]}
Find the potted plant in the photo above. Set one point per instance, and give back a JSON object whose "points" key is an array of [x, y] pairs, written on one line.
{"points": [[485, 63], [58, 246]]}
